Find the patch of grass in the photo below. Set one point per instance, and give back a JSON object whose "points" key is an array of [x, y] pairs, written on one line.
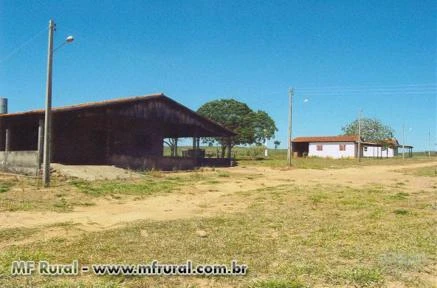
{"points": [[15, 234], [62, 205], [143, 187], [428, 171], [317, 197], [363, 277], [5, 186], [16, 205], [275, 283], [401, 212], [399, 196], [223, 174], [397, 262], [400, 184], [278, 159]]}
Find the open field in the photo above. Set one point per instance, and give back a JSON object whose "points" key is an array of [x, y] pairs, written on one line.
{"points": [[335, 223]]}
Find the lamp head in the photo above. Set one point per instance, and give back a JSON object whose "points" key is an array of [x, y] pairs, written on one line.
{"points": [[69, 39]]}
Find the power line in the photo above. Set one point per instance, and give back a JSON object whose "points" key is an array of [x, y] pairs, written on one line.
{"points": [[423, 85], [24, 44]]}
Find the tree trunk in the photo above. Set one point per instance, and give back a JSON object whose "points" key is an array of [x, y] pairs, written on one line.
{"points": [[223, 151]]}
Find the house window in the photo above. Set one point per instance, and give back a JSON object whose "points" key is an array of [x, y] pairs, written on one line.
{"points": [[365, 148], [319, 147], [342, 147]]}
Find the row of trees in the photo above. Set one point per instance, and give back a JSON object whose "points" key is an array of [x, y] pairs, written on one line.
{"points": [[256, 127]]}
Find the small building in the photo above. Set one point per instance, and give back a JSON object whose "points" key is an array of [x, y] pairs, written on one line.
{"points": [[386, 149], [127, 132], [344, 146]]}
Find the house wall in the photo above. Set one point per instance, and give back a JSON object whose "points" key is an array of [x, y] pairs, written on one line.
{"points": [[378, 151], [332, 149]]}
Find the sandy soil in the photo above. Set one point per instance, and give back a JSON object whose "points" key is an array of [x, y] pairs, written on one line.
{"points": [[93, 172], [206, 200]]}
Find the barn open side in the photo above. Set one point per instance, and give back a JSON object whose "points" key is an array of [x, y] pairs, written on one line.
{"points": [[126, 132]]}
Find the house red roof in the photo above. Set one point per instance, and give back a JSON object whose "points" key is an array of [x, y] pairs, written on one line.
{"points": [[343, 138]]}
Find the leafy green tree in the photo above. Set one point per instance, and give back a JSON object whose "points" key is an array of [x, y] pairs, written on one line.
{"points": [[251, 127], [277, 143], [372, 130], [264, 127]]}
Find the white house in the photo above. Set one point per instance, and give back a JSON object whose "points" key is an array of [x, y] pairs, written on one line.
{"points": [[342, 147]]}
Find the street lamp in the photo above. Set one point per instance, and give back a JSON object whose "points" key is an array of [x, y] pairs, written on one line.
{"points": [[48, 108]]}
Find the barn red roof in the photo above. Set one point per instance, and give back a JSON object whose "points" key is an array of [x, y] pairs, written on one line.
{"points": [[343, 138]]}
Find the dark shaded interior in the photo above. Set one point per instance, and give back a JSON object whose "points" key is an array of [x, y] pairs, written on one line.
{"points": [[300, 149]]}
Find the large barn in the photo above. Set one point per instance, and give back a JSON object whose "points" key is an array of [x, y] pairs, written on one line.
{"points": [[125, 132]]}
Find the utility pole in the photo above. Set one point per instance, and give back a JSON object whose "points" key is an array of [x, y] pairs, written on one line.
{"points": [[48, 109], [403, 141], [359, 136], [290, 126]]}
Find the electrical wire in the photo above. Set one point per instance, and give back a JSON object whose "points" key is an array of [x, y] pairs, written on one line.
{"points": [[24, 44]]}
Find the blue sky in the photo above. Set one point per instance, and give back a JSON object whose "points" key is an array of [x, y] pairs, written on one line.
{"points": [[342, 56]]}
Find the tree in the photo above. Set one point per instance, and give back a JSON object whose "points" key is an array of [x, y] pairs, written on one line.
{"points": [[173, 145], [277, 143], [264, 127], [251, 127], [372, 130]]}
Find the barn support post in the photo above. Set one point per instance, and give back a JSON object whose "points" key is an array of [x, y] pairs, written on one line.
{"points": [[8, 140], [194, 143], [40, 142], [228, 142], [195, 148], [175, 147], [7, 146], [107, 137]]}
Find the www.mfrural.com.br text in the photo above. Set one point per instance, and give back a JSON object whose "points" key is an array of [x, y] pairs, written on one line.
{"points": [[153, 268]]}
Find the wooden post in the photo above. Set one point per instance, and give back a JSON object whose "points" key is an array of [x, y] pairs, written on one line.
{"points": [[290, 121], [40, 142], [8, 140], [228, 140], [194, 144], [7, 146], [108, 137]]}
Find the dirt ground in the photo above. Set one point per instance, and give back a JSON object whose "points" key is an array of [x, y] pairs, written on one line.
{"points": [[205, 199]]}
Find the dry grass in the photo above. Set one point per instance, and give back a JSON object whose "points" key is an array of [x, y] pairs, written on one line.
{"points": [[290, 236]]}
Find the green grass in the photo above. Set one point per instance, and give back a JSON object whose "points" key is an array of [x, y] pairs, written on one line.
{"points": [[401, 212], [278, 159], [254, 156], [284, 239], [5, 186], [15, 234], [429, 171], [142, 188], [276, 283], [151, 184]]}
